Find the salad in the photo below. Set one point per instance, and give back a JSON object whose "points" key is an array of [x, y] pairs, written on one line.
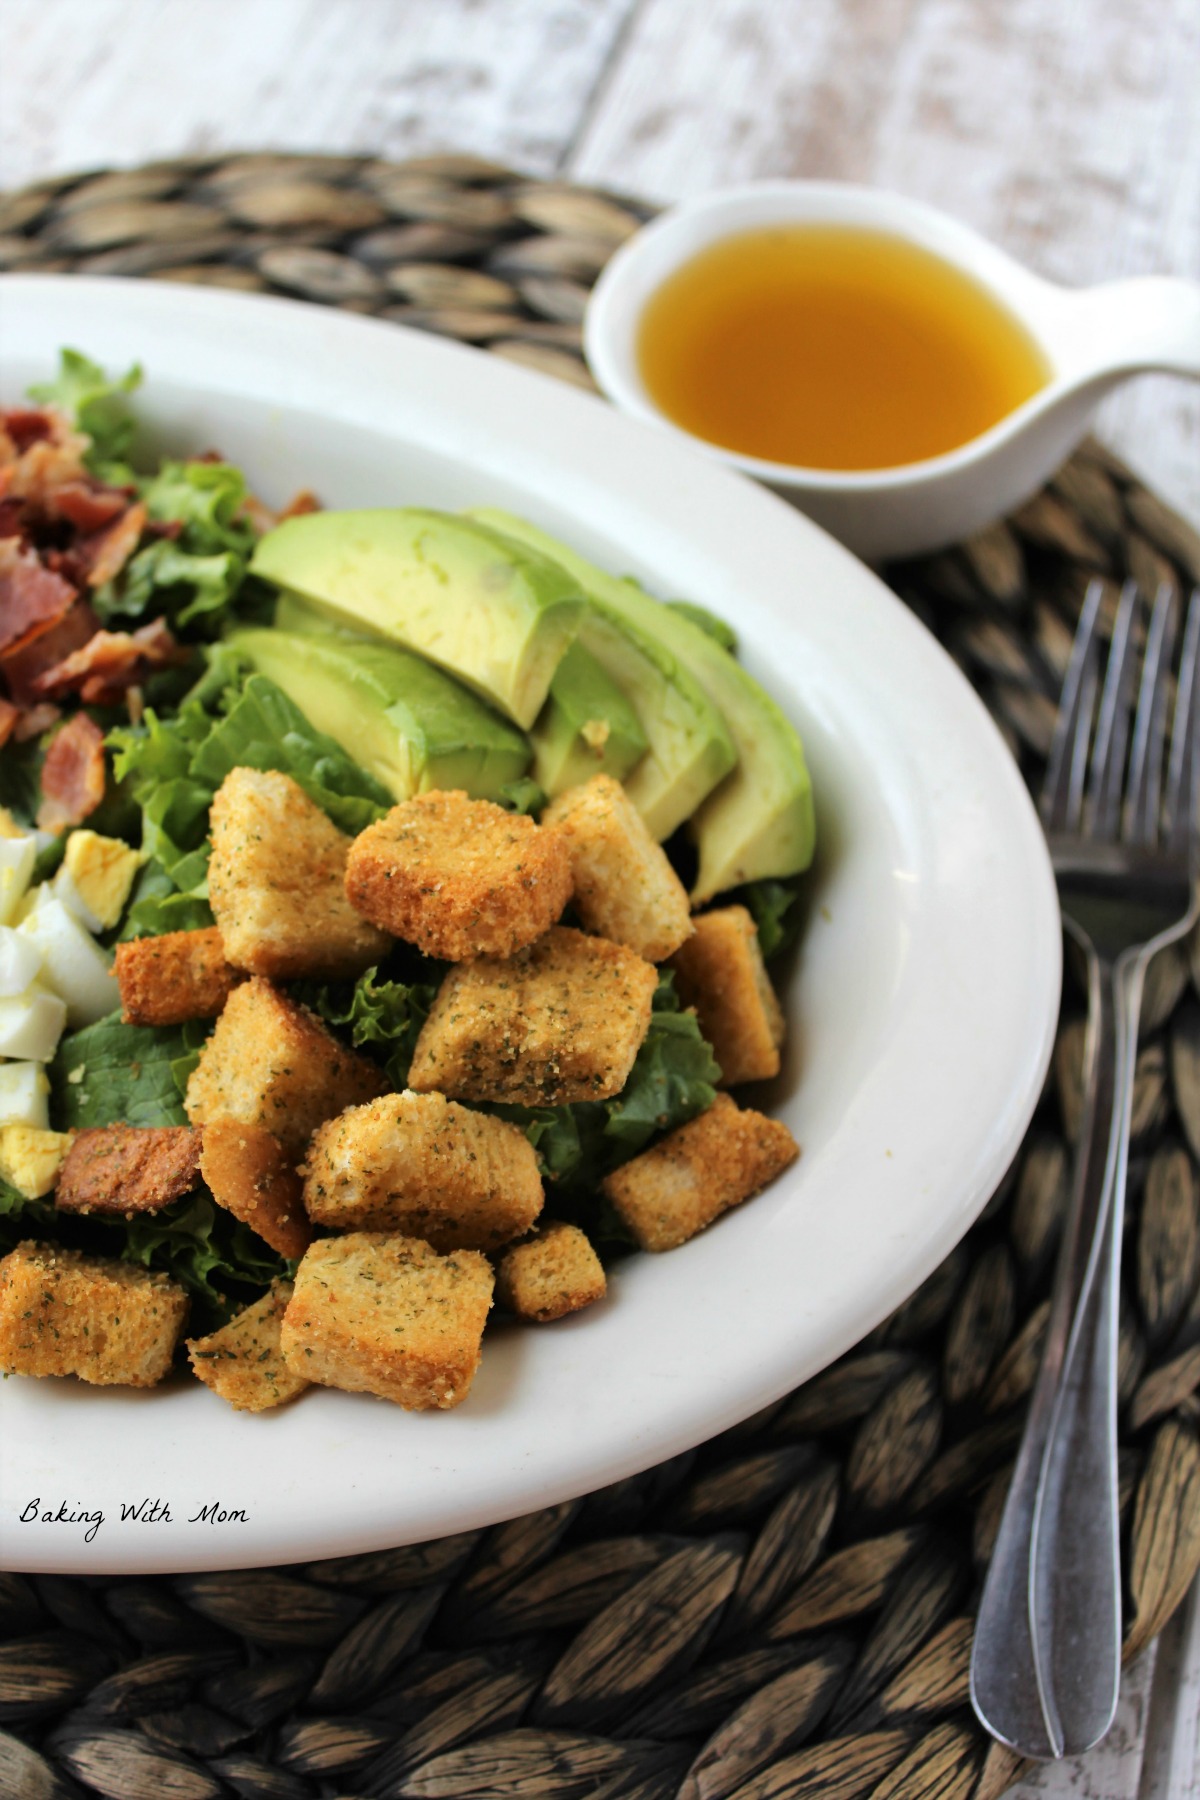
{"points": [[385, 905]]}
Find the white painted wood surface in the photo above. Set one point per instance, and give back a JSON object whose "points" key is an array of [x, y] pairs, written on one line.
{"points": [[1067, 130]]}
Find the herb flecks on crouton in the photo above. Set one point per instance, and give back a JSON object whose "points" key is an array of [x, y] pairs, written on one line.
{"points": [[554, 1273], [128, 1169], [560, 1022], [720, 971], [170, 979], [270, 1062], [243, 1361], [423, 1165], [625, 888], [276, 882], [378, 1313], [669, 1193], [250, 1175], [108, 1322], [459, 877]]}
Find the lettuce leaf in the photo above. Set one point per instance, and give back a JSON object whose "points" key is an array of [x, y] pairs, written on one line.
{"points": [[375, 1013], [133, 1073], [774, 907], [203, 1247], [96, 404], [192, 578]]}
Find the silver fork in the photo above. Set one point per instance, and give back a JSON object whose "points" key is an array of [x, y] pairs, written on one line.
{"points": [[1045, 1667]]}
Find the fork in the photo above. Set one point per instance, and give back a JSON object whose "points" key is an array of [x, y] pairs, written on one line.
{"points": [[1045, 1666]]}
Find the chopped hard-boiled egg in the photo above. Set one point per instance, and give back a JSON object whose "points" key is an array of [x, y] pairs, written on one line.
{"points": [[31, 1024], [73, 964], [17, 857], [20, 962], [95, 878], [31, 1158], [24, 1092]]}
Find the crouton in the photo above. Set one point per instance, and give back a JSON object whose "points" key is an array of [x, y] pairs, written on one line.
{"points": [[127, 1169], [109, 1322], [458, 877], [249, 1173], [560, 1022], [30, 1158], [170, 979], [276, 882], [270, 1062], [720, 971], [669, 1193], [377, 1313], [243, 1361], [555, 1273], [625, 889], [423, 1165]]}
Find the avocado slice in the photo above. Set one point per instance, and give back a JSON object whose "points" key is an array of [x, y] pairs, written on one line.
{"points": [[759, 822], [494, 613], [403, 720], [587, 727]]}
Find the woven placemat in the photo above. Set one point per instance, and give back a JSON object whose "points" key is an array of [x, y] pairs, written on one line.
{"points": [[785, 1612]]}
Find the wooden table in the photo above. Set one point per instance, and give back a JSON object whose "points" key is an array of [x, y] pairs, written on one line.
{"points": [[1069, 134]]}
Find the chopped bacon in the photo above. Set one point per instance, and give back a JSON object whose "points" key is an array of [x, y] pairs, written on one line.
{"points": [[117, 545], [31, 597], [9, 715], [35, 719], [27, 425], [41, 648], [11, 512], [89, 508], [111, 661], [72, 775], [299, 504], [47, 467]]}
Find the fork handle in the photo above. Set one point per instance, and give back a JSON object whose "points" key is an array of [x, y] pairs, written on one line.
{"points": [[1045, 1667]]}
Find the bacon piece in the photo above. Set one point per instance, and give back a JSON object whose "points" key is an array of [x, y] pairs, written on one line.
{"points": [[9, 717], [33, 720], [110, 662], [42, 648], [31, 596], [72, 775], [89, 506], [113, 550], [27, 425], [299, 504], [46, 468], [128, 1168]]}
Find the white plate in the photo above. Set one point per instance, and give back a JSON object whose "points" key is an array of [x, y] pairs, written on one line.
{"points": [[921, 1010]]}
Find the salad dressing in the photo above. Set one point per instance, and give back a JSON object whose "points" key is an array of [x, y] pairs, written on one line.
{"points": [[829, 347]]}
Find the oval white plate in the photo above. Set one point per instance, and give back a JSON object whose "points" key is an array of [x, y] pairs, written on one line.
{"points": [[921, 1009]]}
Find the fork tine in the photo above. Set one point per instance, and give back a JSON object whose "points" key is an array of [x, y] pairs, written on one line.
{"points": [[1062, 790], [1107, 776], [1145, 761], [1185, 738]]}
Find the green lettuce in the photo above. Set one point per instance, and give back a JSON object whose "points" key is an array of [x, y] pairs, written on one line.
{"points": [[381, 1016], [192, 578], [96, 404], [776, 910], [135, 1073], [203, 1247]]}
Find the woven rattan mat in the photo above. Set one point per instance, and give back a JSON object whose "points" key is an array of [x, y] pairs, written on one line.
{"points": [[786, 1611]]}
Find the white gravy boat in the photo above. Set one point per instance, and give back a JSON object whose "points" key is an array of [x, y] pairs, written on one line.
{"points": [[1092, 338]]}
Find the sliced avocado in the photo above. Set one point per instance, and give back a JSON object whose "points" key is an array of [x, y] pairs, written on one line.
{"points": [[494, 613], [404, 721], [760, 821], [587, 727], [690, 747]]}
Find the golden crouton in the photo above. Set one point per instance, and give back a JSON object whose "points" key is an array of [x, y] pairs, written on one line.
{"points": [[243, 1362], [270, 1062], [720, 971], [625, 889], [377, 1313], [459, 877], [250, 1175], [170, 979], [30, 1158], [276, 882], [561, 1022], [555, 1273], [667, 1194], [425, 1166], [109, 1322], [126, 1169]]}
